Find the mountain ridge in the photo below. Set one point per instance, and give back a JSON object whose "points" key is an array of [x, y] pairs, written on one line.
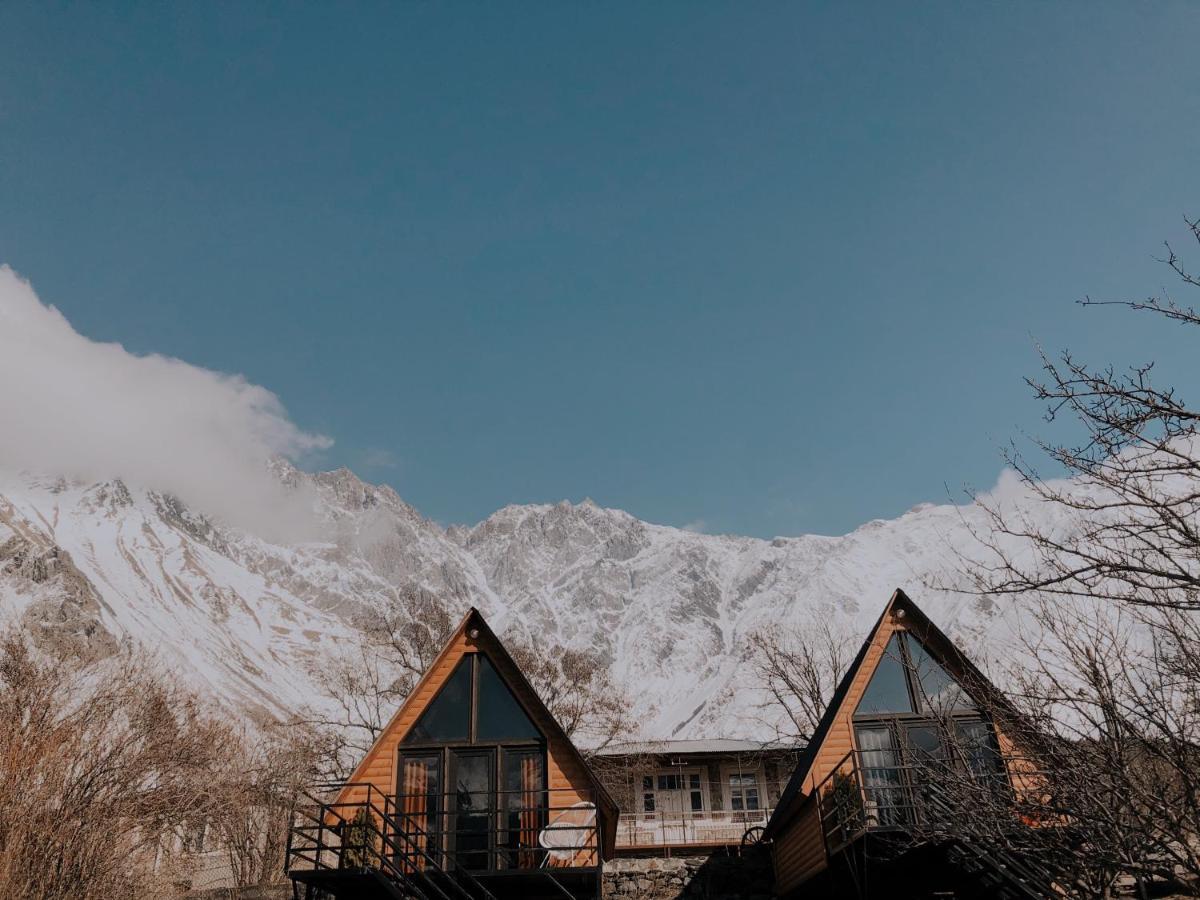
{"points": [[248, 620]]}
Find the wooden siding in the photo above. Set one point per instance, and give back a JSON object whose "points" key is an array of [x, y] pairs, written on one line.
{"points": [[799, 851]]}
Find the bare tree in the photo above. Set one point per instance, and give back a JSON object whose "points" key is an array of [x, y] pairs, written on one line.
{"points": [[254, 792], [1129, 528], [98, 763], [364, 684], [578, 688], [799, 668], [1108, 561]]}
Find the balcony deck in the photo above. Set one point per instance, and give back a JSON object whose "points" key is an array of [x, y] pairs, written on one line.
{"points": [[667, 830]]}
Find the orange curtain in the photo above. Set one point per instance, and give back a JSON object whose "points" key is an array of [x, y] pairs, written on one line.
{"points": [[413, 803]]}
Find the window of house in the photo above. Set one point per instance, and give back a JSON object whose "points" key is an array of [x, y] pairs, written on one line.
{"points": [[936, 691], [500, 716], [448, 717], [695, 792], [743, 792], [887, 691]]}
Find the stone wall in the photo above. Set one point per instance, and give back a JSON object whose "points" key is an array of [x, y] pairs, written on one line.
{"points": [[717, 877]]}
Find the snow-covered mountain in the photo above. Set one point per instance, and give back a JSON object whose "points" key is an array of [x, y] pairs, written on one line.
{"points": [[88, 565]]}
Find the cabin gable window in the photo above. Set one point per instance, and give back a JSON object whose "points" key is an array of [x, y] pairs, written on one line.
{"points": [[500, 715], [448, 717]]}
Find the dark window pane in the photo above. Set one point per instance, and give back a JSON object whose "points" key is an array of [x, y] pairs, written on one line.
{"points": [[472, 807], [694, 781], [697, 801], [500, 716], [752, 798], [979, 748], [888, 690], [647, 783], [648, 802], [736, 801], [936, 691], [521, 808], [925, 743], [447, 717]]}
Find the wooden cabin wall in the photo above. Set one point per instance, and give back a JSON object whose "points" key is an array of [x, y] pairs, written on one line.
{"points": [[799, 850]]}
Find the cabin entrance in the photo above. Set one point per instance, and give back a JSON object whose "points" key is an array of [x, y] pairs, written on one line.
{"points": [[472, 806]]}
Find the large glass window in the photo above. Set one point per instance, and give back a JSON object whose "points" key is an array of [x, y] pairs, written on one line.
{"points": [[905, 672], [474, 689], [419, 802], [887, 691], [881, 773], [522, 789], [501, 717], [935, 689], [472, 806], [448, 717]]}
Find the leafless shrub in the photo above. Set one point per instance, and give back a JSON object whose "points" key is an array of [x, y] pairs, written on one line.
{"points": [[97, 763], [254, 793]]}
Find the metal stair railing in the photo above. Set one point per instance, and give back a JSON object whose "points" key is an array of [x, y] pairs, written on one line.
{"points": [[328, 839]]}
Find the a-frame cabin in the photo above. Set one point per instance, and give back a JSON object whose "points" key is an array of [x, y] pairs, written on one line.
{"points": [[473, 790], [846, 821]]}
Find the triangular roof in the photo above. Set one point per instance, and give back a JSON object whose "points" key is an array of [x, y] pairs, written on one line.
{"points": [[935, 641], [474, 630]]}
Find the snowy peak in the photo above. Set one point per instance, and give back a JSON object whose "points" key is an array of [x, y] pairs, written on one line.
{"points": [[250, 619]]}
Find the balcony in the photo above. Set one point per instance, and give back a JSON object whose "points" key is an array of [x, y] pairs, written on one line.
{"points": [[711, 828], [373, 844], [931, 799]]}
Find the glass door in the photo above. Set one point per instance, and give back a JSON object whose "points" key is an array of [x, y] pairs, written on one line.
{"points": [[472, 808]]}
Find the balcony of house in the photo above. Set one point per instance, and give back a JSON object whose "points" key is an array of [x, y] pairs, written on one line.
{"points": [[354, 840], [678, 796], [933, 800], [682, 829]]}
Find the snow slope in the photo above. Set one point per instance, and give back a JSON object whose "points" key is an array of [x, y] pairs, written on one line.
{"points": [[247, 619]]}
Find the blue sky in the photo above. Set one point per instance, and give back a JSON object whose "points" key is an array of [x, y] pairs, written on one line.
{"points": [[773, 268]]}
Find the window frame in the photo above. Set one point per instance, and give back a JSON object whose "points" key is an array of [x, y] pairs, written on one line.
{"points": [[728, 771]]}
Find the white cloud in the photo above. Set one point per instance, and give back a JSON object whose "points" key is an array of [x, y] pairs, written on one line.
{"points": [[74, 407], [699, 526], [379, 458]]}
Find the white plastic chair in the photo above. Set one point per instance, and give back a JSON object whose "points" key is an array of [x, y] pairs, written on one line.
{"points": [[568, 833]]}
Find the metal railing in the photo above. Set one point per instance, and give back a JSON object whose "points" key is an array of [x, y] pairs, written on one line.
{"points": [[860, 795], [938, 802], [683, 828], [365, 836], [439, 847], [504, 830]]}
